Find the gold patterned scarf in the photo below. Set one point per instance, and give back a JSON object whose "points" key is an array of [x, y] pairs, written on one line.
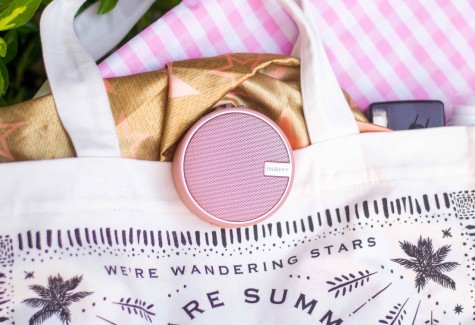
{"points": [[153, 110]]}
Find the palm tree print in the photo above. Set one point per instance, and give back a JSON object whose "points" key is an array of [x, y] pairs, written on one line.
{"points": [[427, 264], [55, 299]]}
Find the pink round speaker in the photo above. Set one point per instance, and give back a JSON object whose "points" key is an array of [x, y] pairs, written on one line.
{"points": [[234, 167]]}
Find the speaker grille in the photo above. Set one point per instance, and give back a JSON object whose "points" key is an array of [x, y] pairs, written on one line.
{"points": [[224, 167]]}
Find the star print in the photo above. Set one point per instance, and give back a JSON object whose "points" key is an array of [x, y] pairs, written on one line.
{"points": [[10, 127], [29, 275], [233, 62], [286, 125], [458, 309], [446, 233], [177, 87], [109, 88], [278, 73], [135, 139]]}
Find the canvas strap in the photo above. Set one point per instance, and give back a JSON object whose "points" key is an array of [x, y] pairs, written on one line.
{"points": [[83, 105], [101, 33]]}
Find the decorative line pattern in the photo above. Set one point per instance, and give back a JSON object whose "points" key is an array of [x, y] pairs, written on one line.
{"points": [[346, 283], [417, 311], [381, 208], [137, 307], [373, 297], [6, 262], [463, 203], [396, 314], [106, 320], [6, 251], [3, 295]]}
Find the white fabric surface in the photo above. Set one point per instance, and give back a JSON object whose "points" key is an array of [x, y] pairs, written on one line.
{"points": [[108, 239]]}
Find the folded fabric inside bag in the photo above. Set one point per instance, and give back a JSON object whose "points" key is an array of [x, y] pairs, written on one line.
{"points": [[153, 110]]}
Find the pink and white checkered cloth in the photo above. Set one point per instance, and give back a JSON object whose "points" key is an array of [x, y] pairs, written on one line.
{"points": [[379, 50]]}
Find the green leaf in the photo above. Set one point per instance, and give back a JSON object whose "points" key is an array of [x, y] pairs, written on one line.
{"points": [[3, 102], [26, 59], [18, 13], [29, 27], [106, 5], [3, 47], [4, 4], [165, 5], [4, 81], [11, 37]]}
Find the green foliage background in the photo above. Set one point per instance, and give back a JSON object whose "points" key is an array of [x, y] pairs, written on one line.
{"points": [[21, 64]]}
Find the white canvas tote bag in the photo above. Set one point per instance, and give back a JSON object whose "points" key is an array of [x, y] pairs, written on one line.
{"points": [[378, 229]]}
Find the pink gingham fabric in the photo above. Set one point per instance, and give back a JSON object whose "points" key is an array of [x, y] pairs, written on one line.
{"points": [[379, 50]]}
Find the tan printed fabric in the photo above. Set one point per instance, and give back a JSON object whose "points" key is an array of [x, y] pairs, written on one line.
{"points": [[153, 110]]}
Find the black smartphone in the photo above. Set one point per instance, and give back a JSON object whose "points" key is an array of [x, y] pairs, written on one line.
{"points": [[408, 114]]}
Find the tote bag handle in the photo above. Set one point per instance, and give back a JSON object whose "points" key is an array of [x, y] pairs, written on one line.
{"points": [[78, 89], [101, 33], [327, 114], [83, 106]]}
